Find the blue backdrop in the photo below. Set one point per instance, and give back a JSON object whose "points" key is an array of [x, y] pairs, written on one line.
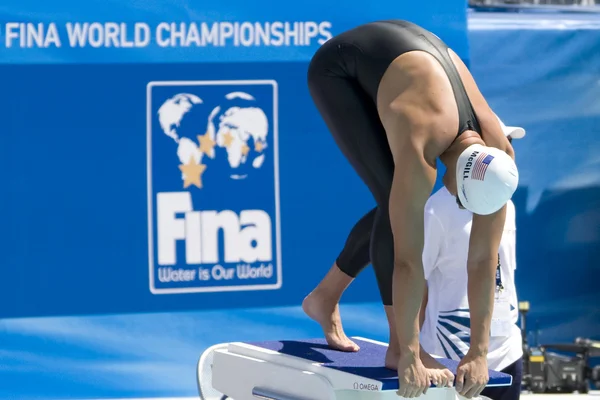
{"points": [[86, 153], [111, 201], [83, 147], [543, 75]]}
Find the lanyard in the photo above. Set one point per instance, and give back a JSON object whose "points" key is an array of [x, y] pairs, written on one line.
{"points": [[499, 287]]}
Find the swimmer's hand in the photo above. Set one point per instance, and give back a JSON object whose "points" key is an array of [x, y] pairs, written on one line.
{"points": [[413, 377], [472, 375]]}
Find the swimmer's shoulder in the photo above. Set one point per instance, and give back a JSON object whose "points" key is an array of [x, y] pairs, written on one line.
{"points": [[491, 131]]}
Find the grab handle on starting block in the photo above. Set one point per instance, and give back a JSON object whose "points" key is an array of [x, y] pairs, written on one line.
{"points": [[267, 394]]}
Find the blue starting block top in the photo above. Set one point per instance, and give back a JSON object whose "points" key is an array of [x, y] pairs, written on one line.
{"points": [[367, 362]]}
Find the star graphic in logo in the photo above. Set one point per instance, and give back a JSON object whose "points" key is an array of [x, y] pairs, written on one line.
{"points": [[259, 146], [192, 172], [245, 149], [206, 144], [227, 139]]}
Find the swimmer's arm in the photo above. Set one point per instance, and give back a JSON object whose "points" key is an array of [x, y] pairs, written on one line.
{"points": [[412, 184], [423, 311], [493, 136], [486, 233]]}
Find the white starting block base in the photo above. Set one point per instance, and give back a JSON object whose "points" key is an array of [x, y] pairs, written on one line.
{"points": [[309, 370]]}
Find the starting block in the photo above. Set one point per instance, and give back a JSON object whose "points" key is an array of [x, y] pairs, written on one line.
{"points": [[308, 370]]}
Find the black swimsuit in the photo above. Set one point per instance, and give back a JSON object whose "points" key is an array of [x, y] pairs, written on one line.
{"points": [[343, 79]]}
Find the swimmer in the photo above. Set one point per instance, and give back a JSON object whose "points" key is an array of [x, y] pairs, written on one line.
{"points": [[396, 98]]}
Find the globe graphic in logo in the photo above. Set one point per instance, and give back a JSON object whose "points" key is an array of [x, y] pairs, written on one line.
{"points": [[235, 125]]}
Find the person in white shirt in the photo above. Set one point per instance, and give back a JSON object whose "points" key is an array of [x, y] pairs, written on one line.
{"points": [[445, 317]]}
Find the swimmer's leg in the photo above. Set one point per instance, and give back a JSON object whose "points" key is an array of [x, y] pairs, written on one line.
{"points": [[355, 255], [353, 120], [322, 303], [382, 256]]}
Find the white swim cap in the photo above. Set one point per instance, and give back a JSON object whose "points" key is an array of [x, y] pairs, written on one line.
{"points": [[486, 178]]}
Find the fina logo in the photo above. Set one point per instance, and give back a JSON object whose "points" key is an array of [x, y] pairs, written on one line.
{"points": [[213, 186]]}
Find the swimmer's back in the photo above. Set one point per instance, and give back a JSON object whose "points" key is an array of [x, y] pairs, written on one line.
{"points": [[369, 49], [365, 53]]}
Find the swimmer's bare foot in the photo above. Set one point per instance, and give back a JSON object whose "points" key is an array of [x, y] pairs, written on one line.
{"points": [[327, 314], [439, 375]]}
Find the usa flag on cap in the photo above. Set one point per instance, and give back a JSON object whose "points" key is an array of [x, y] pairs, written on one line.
{"points": [[480, 166]]}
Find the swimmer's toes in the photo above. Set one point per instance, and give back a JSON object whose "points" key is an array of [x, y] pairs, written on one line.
{"points": [[341, 343]]}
